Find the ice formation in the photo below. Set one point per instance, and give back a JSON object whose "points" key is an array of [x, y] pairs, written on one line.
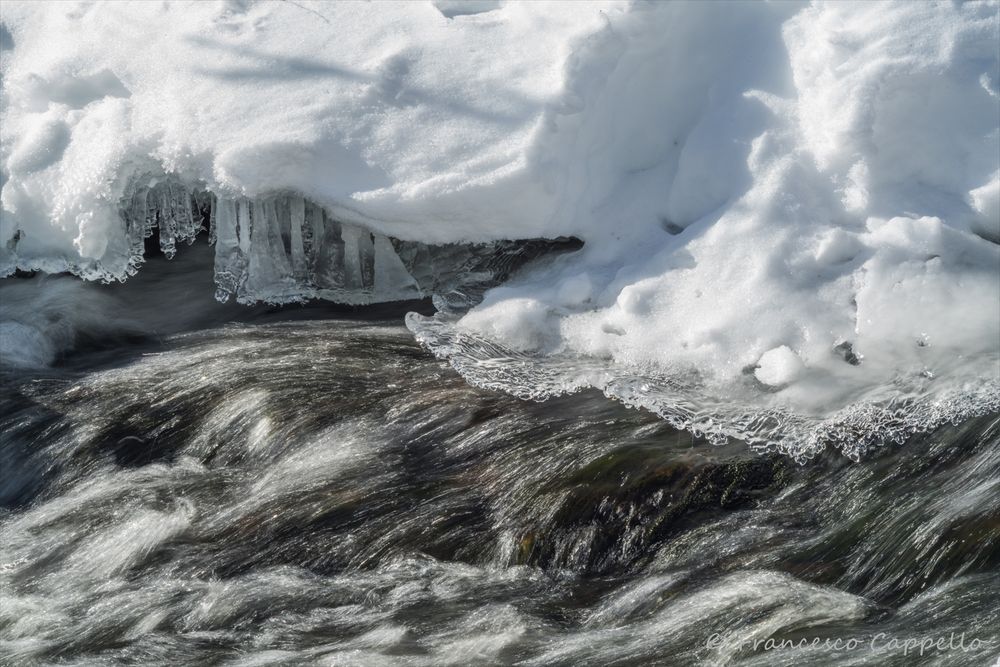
{"points": [[284, 248], [791, 211]]}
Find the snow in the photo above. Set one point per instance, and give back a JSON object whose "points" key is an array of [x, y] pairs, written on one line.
{"points": [[985, 200], [759, 186], [778, 366]]}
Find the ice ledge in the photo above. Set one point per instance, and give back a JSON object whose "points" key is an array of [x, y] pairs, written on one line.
{"points": [[284, 248], [879, 417]]}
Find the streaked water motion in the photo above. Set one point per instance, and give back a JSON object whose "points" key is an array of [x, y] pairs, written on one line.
{"points": [[309, 486]]}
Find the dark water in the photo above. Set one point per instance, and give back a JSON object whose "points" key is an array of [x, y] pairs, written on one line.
{"points": [[310, 487]]}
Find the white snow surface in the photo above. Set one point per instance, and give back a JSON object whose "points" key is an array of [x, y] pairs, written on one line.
{"points": [[795, 207]]}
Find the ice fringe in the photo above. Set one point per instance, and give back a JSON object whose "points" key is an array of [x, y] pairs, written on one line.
{"points": [[284, 248], [883, 416]]}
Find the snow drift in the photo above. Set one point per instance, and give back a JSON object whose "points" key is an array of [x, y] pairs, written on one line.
{"points": [[791, 213]]}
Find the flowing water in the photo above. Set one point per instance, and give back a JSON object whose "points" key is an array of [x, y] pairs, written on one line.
{"points": [[309, 486]]}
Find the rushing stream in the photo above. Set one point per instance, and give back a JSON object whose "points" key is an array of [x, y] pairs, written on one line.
{"points": [[309, 486]]}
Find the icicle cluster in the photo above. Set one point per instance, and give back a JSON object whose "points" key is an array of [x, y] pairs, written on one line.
{"points": [[284, 248], [165, 205]]}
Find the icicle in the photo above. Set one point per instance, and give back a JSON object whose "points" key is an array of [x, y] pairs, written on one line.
{"points": [[268, 271], [243, 225], [324, 248], [391, 276], [328, 272], [180, 202], [312, 235], [297, 216], [167, 224], [419, 262], [352, 257], [152, 212], [137, 227], [230, 263], [359, 257], [277, 229], [366, 251], [213, 233], [257, 264]]}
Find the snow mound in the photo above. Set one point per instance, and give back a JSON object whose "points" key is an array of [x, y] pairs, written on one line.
{"points": [[790, 208]]}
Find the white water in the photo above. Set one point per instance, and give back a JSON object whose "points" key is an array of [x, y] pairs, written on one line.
{"points": [[768, 192], [323, 492]]}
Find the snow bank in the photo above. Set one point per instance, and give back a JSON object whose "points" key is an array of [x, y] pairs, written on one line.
{"points": [[387, 114], [790, 211]]}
